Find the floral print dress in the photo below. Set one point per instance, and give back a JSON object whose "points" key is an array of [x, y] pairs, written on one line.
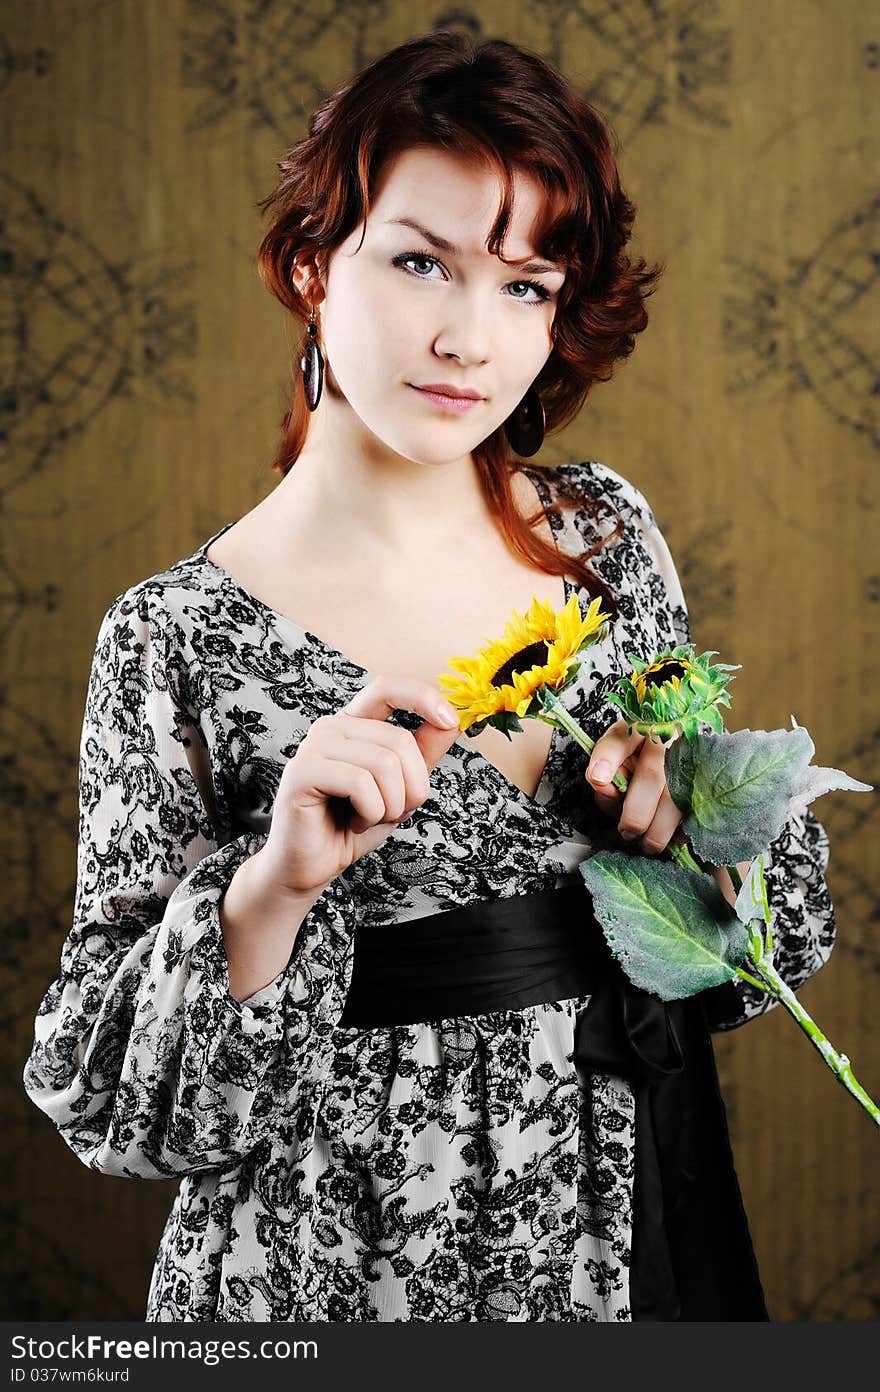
{"points": [[430, 1171]]}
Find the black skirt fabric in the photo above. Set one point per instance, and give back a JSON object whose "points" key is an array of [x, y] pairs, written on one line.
{"points": [[692, 1254]]}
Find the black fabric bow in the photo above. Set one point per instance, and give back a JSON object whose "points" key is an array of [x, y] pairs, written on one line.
{"points": [[692, 1256], [627, 1031]]}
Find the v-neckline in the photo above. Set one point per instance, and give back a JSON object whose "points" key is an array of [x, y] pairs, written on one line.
{"points": [[456, 749]]}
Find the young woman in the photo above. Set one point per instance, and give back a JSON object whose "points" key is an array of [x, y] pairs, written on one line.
{"points": [[333, 963]]}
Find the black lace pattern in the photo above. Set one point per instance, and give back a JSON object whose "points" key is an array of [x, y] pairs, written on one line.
{"points": [[436, 1171]]}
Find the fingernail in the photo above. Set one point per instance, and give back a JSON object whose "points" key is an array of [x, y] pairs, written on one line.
{"points": [[447, 714], [600, 772], [628, 835]]}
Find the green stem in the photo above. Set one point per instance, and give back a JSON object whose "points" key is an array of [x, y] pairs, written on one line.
{"points": [[838, 1063], [678, 850], [753, 981], [768, 979], [558, 715]]}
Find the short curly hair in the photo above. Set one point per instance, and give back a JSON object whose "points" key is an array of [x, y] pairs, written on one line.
{"points": [[507, 108]]}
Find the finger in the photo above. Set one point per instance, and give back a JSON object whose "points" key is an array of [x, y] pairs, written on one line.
{"points": [[607, 796], [321, 779], [609, 799], [609, 803], [386, 694], [609, 752], [643, 797], [408, 763], [644, 769], [365, 779], [647, 789], [663, 825]]}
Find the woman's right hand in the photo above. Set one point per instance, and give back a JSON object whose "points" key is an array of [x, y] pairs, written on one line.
{"points": [[353, 778]]}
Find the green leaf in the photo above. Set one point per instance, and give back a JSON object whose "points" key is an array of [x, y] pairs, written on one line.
{"points": [[751, 901], [670, 928], [505, 721], [739, 788]]}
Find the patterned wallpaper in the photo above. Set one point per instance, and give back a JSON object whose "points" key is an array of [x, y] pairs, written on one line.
{"points": [[145, 372]]}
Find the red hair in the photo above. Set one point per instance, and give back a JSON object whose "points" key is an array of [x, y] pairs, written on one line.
{"points": [[509, 110]]}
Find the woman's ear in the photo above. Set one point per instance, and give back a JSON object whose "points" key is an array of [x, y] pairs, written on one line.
{"points": [[307, 281]]}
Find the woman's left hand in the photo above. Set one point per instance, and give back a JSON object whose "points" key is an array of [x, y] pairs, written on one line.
{"points": [[646, 809]]}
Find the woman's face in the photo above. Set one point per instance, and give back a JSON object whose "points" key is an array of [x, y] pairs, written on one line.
{"points": [[403, 311]]}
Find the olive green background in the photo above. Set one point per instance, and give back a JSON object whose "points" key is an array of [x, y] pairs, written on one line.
{"points": [[145, 372]]}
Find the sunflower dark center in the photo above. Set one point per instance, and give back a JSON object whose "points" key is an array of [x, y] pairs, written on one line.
{"points": [[534, 655], [663, 672]]}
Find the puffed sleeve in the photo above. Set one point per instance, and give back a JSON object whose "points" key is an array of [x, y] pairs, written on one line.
{"points": [[795, 863], [142, 1058], [801, 916]]}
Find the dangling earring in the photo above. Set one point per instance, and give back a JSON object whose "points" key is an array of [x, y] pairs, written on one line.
{"points": [[524, 426], [312, 365]]}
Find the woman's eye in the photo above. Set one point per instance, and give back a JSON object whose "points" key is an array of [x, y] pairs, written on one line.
{"points": [[414, 256]]}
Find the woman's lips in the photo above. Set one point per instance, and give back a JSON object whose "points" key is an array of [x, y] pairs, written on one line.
{"points": [[456, 404]]}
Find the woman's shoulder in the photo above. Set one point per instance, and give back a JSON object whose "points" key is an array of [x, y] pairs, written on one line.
{"points": [[159, 628], [601, 483], [164, 594], [629, 547]]}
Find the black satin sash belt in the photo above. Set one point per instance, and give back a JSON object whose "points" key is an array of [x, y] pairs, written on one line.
{"points": [[692, 1255]]}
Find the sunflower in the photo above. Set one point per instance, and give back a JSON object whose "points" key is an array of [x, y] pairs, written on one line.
{"points": [[505, 679], [675, 688]]}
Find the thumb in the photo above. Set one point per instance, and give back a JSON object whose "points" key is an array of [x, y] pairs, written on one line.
{"points": [[434, 740]]}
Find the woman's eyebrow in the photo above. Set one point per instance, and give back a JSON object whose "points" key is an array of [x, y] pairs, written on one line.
{"points": [[442, 244]]}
